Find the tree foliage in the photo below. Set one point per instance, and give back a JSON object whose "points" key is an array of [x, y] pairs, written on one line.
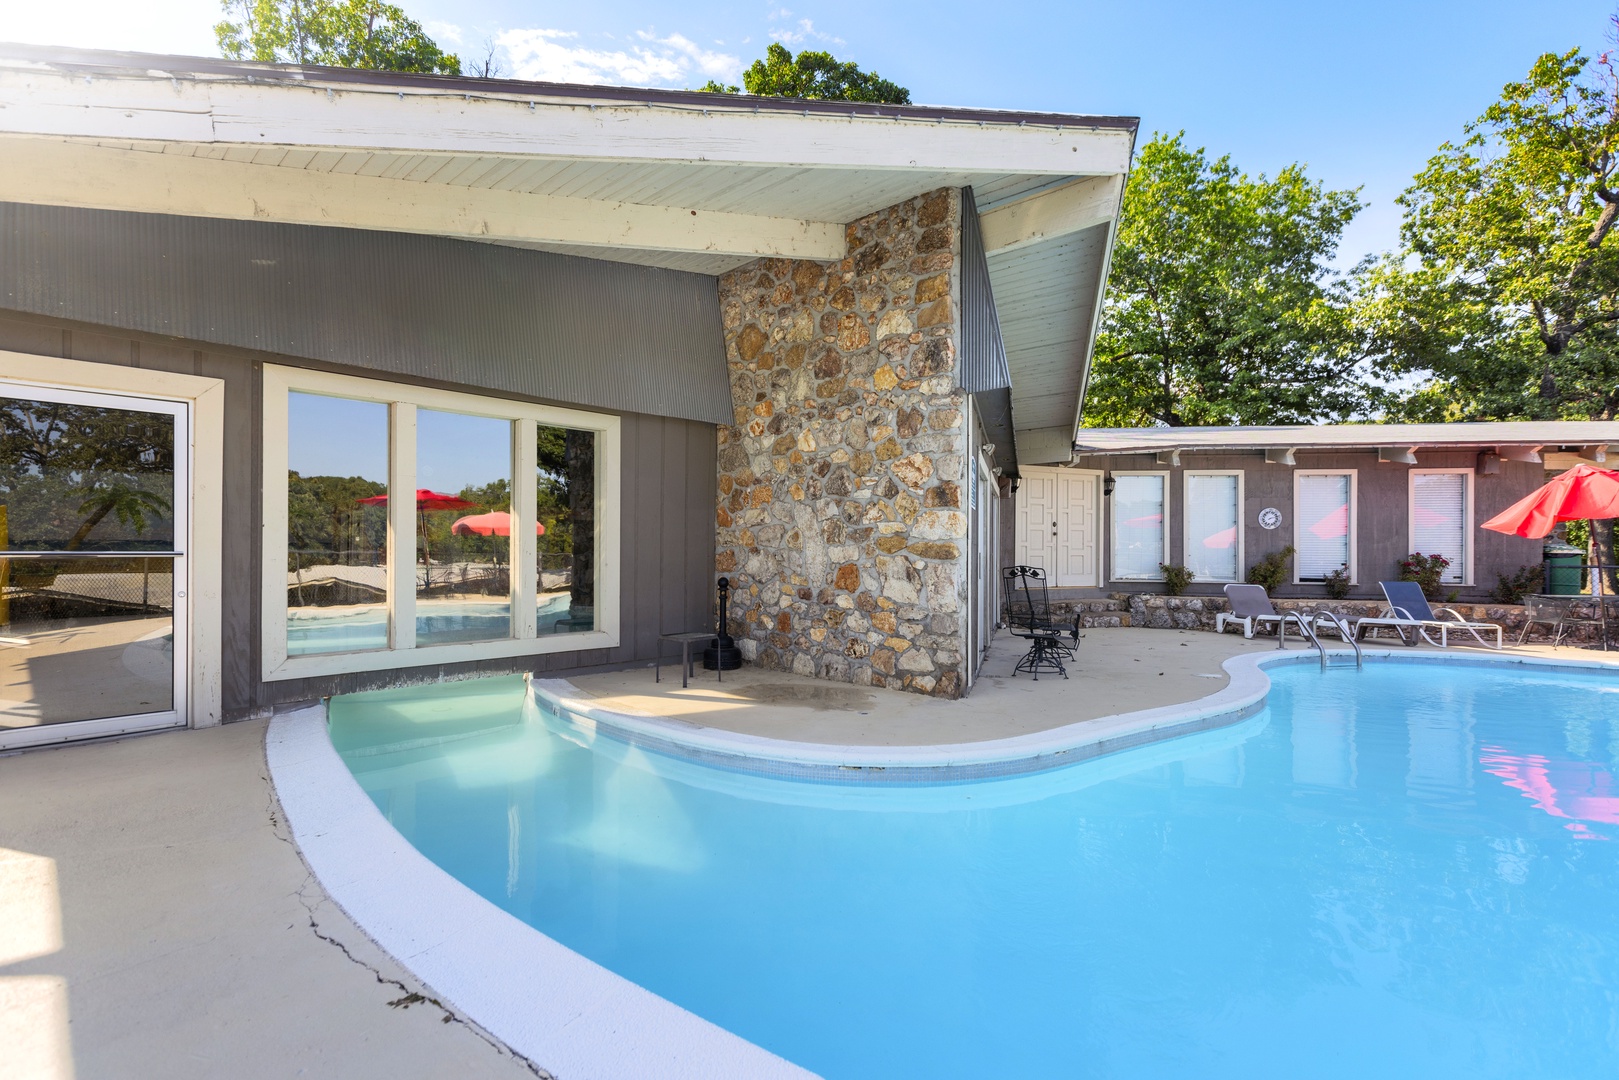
{"points": [[1222, 307], [814, 75], [337, 33], [1503, 303]]}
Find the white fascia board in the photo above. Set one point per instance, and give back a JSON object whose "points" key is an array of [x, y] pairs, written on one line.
{"points": [[58, 173], [38, 100], [1071, 208]]}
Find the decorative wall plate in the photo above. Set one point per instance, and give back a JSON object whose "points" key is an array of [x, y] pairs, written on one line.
{"points": [[1270, 518]]}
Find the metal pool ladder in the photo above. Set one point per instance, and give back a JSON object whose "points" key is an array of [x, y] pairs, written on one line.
{"points": [[1307, 631]]}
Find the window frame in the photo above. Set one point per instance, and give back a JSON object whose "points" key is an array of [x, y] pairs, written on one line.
{"points": [[1354, 522], [402, 400], [1113, 524], [1468, 546], [1186, 519]]}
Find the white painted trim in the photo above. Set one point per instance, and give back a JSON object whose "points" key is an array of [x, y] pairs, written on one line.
{"points": [[1098, 508], [1354, 520], [560, 1010], [1242, 526], [1071, 208], [524, 544], [57, 173], [404, 399], [1468, 544], [1113, 531], [223, 110], [203, 568]]}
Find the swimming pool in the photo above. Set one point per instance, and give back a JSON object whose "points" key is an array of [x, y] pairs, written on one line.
{"points": [[1406, 871]]}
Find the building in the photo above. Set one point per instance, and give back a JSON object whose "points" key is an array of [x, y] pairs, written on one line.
{"points": [[282, 346], [1354, 499]]}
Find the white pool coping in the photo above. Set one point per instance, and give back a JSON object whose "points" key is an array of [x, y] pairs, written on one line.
{"points": [[568, 1014]]}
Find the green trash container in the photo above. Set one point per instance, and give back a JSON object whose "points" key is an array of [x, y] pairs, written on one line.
{"points": [[1565, 570]]}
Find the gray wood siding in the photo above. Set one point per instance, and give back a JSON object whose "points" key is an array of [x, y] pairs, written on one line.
{"points": [[1381, 512], [667, 553]]}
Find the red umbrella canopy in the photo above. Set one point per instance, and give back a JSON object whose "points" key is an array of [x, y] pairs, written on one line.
{"points": [[1581, 493], [427, 500], [494, 523]]}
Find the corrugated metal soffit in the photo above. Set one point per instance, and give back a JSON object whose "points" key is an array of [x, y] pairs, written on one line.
{"points": [[532, 323], [983, 369]]}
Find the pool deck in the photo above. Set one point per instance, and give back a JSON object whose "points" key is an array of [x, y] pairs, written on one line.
{"points": [[155, 918]]}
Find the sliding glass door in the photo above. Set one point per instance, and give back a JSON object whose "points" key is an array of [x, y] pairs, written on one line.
{"points": [[93, 528]]}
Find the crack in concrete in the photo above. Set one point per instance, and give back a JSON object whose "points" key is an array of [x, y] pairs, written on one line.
{"points": [[408, 997]]}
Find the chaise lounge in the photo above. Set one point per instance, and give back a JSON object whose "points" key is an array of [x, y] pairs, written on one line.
{"points": [[1408, 610]]}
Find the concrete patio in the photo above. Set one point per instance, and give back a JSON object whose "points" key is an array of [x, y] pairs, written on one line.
{"points": [[155, 920]]}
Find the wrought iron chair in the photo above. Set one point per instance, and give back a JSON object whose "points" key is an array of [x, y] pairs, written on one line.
{"points": [[1029, 617]]}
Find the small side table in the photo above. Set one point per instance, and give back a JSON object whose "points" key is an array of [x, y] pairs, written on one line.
{"points": [[686, 640]]}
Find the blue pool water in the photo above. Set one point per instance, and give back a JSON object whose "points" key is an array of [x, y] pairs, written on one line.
{"points": [[1411, 871]]}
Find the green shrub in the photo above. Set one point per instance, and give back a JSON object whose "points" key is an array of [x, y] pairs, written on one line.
{"points": [[1271, 571], [1512, 590], [1176, 578], [1337, 583], [1425, 570]]}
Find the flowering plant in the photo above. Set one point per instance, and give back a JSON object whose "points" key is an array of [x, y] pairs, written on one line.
{"points": [[1427, 571]]}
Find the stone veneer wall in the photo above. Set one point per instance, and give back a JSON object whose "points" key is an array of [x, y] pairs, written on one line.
{"points": [[840, 483]]}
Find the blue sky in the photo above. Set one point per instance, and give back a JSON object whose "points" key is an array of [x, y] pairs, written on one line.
{"points": [[1362, 93]]}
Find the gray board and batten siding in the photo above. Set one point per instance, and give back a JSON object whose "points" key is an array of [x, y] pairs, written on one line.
{"points": [[1382, 530], [984, 371], [668, 480], [542, 326]]}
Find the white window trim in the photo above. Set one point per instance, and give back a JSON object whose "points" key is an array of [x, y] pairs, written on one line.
{"points": [[204, 561], [1354, 521], [1468, 546], [1186, 517], [1113, 526], [403, 401]]}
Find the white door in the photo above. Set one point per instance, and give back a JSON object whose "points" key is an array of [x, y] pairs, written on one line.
{"points": [[1078, 494], [1035, 533], [94, 494]]}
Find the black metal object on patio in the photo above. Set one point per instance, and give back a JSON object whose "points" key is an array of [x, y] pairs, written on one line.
{"points": [[1029, 617], [723, 655]]}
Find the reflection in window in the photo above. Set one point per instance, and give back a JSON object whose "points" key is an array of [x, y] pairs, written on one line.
{"points": [[337, 524], [85, 478], [1211, 526], [1439, 519], [1138, 527], [463, 528], [1323, 523], [566, 509]]}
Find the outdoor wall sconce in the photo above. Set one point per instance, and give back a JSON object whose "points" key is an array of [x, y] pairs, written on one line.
{"points": [[1489, 464], [1107, 485]]}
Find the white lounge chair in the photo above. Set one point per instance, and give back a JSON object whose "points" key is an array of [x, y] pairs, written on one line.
{"points": [[1250, 609], [1408, 610]]}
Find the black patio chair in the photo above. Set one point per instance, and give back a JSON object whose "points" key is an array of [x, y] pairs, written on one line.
{"points": [[1029, 617]]}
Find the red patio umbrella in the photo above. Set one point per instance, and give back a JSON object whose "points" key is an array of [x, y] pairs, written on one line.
{"points": [[494, 523], [1582, 493], [426, 500]]}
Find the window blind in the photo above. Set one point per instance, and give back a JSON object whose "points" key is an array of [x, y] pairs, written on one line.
{"points": [[1211, 527], [1322, 519], [1439, 519], [1138, 527]]}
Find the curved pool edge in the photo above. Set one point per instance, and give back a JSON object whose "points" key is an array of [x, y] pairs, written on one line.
{"points": [[1242, 696], [564, 1013]]}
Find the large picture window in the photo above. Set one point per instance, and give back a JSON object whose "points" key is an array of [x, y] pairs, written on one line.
{"points": [[1323, 524], [1441, 507], [408, 526], [1140, 525], [1214, 525]]}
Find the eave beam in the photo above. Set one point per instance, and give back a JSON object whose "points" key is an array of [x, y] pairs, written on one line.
{"points": [[1530, 454], [1060, 211], [60, 173]]}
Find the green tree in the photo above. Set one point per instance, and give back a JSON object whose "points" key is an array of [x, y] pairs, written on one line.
{"points": [[814, 75], [337, 33], [1503, 303], [1222, 307]]}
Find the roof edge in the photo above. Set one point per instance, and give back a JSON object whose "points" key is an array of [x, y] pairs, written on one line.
{"points": [[81, 61]]}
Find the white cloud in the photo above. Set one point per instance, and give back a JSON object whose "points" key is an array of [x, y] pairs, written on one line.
{"points": [[443, 32], [802, 32], [558, 56]]}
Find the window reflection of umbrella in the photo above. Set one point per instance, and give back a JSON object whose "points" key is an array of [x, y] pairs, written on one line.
{"points": [[1145, 521], [1336, 523], [1223, 539], [494, 523], [426, 500]]}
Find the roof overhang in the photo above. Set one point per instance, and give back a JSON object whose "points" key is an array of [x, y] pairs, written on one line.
{"points": [[674, 179], [1519, 440]]}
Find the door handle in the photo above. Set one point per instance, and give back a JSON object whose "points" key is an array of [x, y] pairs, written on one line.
{"points": [[1053, 528]]}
